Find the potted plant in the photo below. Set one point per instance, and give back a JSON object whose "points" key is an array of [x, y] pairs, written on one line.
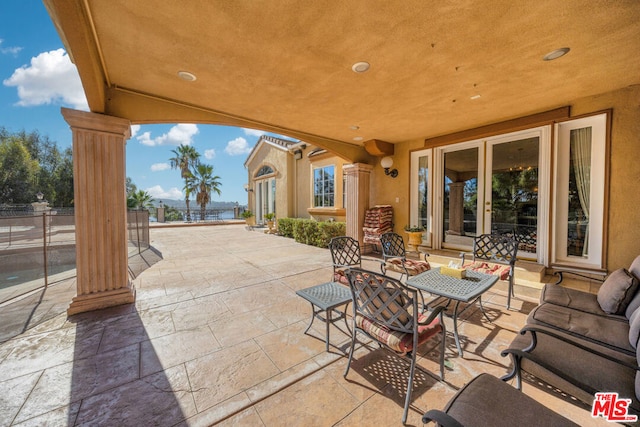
{"points": [[248, 217], [415, 235], [270, 217]]}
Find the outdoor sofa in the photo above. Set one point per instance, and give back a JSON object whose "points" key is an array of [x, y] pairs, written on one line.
{"points": [[583, 343]]}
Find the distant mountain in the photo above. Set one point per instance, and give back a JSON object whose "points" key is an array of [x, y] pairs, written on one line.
{"points": [[192, 204]]}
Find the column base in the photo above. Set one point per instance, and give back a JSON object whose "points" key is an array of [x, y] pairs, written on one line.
{"points": [[100, 300]]}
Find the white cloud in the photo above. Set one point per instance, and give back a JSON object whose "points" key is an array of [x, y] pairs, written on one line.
{"points": [[209, 154], [158, 193], [50, 78], [179, 134], [237, 147], [13, 50], [134, 130], [253, 132], [156, 167]]}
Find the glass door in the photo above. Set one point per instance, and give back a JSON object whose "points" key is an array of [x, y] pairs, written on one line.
{"points": [[420, 202], [512, 187], [460, 197]]}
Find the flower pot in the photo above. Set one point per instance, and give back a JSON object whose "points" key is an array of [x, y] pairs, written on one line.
{"points": [[415, 239]]}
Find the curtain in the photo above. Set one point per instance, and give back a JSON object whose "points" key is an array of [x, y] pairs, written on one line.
{"points": [[581, 160]]}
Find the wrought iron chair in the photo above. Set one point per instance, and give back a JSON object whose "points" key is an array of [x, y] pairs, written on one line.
{"points": [[345, 253], [494, 254], [386, 310], [395, 257]]}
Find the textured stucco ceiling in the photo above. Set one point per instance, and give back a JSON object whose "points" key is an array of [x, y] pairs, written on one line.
{"points": [[286, 65]]}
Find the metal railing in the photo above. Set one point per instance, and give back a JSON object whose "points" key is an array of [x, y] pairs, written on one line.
{"points": [[38, 248]]}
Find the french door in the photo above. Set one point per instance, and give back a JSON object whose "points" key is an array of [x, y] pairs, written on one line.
{"points": [[265, 191], [494, 185]]}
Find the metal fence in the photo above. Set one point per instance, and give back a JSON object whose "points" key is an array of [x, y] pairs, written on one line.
{"points": [[38, 248]]}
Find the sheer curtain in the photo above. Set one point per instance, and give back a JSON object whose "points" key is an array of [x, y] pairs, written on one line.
{"points": [[581, 160]]}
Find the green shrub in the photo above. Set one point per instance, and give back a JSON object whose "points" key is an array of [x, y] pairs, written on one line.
{"points": [[311, 232], [285, 227]]}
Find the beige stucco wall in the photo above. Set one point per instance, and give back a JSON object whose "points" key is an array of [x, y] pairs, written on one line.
{"points": [[623, 242], [338, 212], [278, 160]]}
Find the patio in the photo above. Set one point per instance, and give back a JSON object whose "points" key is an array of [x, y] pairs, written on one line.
{"points": [[215, 337]]}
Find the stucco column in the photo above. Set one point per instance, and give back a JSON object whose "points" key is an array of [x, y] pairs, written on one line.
{"points": [[100, 210], [456, 208], [358, 179]]}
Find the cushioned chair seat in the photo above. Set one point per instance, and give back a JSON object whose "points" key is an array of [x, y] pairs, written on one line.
{"points": [[611, 330], [495, 269], [340, 277], [571, 298], [398, 341], [413, 266], [581, 366], [488, 401]]}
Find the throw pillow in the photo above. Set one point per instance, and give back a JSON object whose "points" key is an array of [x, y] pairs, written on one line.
{"points": [[634, 329], [617, 291]]}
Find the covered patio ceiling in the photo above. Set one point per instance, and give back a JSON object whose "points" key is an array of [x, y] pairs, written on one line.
{"points": [[286, 66]]}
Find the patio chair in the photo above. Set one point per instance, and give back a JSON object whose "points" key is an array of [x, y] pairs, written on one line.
{"points": [[386, 310], [488, 401], [395, 257], [345, 253], [494, 254]]}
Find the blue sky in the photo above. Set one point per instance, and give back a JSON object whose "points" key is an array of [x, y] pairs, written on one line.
{"points": [[38, 78]]}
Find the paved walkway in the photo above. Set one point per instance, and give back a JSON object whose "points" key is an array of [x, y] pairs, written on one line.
{"points": [[215, 337]]}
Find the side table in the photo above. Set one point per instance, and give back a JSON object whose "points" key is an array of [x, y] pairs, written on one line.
{"points": [[326, 297]]}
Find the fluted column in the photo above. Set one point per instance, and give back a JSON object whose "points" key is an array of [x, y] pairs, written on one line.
{"points": [[358, 179], [100, 210]]}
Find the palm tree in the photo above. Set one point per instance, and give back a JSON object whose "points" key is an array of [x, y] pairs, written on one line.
{"points": [[203, 182], [139, 200], [185, 158]]}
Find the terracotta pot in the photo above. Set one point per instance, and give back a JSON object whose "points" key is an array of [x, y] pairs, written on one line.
{"points": [[415, 238]]}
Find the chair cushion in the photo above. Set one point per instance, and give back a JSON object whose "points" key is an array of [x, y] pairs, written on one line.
{"points": [[341, 277], [398, 341], [413, 266], [617, 291], [496, 269], [488, 401]]}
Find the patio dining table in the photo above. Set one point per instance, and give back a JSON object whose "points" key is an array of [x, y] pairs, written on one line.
{"points": [[466, 290]]}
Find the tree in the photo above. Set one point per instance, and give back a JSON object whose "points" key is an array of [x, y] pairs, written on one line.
{"points": [[202, 182], [140, 200], [31, 163], [185, 158], [18, 172]]}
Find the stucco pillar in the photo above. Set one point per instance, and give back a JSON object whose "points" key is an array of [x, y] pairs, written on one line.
{"points": [[100, 210], [358, 179], [456, 208]]}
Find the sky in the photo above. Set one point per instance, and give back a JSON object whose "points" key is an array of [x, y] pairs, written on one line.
{"points": [[37, 79]]}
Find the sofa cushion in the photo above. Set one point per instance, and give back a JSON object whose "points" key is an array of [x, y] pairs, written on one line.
{"points": [[572, 298], [488, 401], [635, 267], [617, 291], [634, 329], [633, 305], [602, 330]]}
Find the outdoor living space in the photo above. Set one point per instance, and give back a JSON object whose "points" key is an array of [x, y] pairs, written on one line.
{"points": [[215, 336]]}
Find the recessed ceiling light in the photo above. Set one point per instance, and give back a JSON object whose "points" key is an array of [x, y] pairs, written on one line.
{"points": [[354, 127], [476, 97], [185, 75], [360, 67], [556, 54], [357, 138]]}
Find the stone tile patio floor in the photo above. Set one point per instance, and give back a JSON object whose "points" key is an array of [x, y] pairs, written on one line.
{"points": [[216, 337]]}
